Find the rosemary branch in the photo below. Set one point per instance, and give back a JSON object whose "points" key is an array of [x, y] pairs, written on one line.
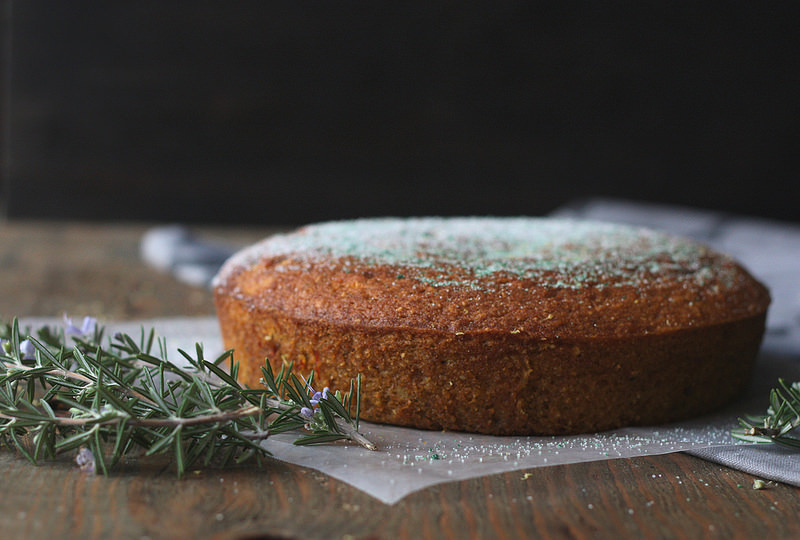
{"points": [[345, 428], [111, 400], [780, 421]]}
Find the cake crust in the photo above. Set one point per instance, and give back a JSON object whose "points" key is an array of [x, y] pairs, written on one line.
{"points": [[498, 325]]}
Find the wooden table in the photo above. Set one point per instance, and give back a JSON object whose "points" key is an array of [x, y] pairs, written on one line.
{"points": [[50, 268]]}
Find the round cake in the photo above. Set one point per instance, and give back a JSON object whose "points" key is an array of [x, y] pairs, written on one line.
{"points": [[498, 325]]}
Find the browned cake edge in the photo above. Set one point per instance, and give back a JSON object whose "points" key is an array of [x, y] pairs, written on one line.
{"points": [[502, 383]]}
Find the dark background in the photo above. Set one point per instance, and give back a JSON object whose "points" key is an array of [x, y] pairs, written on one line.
{"points": [[285, 113]]}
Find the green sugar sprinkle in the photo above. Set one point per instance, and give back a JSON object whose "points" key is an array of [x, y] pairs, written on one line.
{"points": [[476, 252]]}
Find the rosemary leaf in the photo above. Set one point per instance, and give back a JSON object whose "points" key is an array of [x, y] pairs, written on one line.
{"points": [[318, 439], [97, 450], [336, 406], [21, 447], [73, 441], [221, 374], [327, 414], [179, 451]]}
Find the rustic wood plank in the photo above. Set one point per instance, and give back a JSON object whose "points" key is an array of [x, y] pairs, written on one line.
{"points": [[47, 268], [664, 496]]}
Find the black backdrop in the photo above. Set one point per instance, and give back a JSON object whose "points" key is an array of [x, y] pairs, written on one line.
{"points": [[285, 113]]}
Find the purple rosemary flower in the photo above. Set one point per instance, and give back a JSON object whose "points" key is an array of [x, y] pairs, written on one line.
{"points": [[27, 350], [319, 395], [88, 327], [85, 460], [307, 412]]}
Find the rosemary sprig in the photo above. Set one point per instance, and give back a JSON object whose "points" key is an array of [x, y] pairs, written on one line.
{"points": [[63, 389], [781, 420]]}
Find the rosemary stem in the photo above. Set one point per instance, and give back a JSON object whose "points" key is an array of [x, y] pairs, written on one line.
{"points": [[227, 416], [355, 435], [173, 421], [196, 420]]}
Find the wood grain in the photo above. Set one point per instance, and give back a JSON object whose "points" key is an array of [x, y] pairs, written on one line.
{"points": [[48, 268], [675, 496]]}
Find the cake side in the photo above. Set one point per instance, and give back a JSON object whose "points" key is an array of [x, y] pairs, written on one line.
{"points": [[504, 383], [501, 326]]}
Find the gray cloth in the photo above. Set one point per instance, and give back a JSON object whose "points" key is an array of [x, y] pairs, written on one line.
{"points": [[175, 249], [766, 461]]}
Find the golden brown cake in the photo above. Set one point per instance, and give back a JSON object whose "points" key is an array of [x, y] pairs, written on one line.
{"points": [[498, 325]]}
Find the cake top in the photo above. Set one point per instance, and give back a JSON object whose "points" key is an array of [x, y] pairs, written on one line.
{"points": [[544, 277], [556, 252]]}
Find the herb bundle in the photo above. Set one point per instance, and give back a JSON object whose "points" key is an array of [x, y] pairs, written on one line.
{"points": [[64, 390], [782, 418]]}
